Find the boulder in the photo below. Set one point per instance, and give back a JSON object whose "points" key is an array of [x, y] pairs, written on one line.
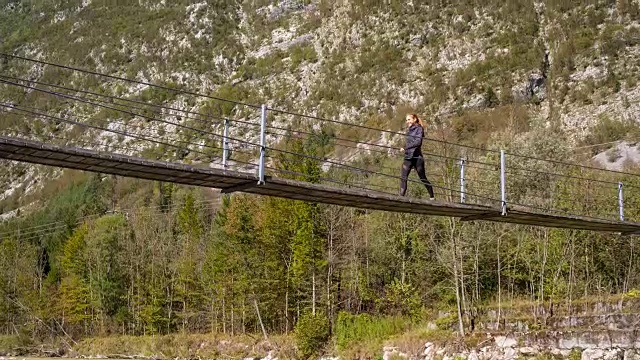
{"points": [[592, 354], [505, 342]]}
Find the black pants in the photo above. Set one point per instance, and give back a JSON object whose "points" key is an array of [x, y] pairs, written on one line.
{"points": [[418, 164]]}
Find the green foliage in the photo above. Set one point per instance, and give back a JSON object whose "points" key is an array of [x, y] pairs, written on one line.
{"points": [[575, 354], [401, 299], [75, 299], [73, 252], [353, 329], [12, 343], [446, 322], [302, 53], [17, 275], [103, 247], [607, 130], [632, 294], [312, 334]]}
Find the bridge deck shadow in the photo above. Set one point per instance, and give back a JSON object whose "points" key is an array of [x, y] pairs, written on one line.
{"points": [[122, 165]]}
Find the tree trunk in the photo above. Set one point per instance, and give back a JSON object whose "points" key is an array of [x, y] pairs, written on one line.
{"points": [[458, 300], [329, 274], [224, 313], [456, 275], [214, 317], [255, 304], [313, 292]]}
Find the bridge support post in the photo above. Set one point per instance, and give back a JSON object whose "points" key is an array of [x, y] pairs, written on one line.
{"points": [[621, 201], [263, 145], [225, 144], [503, 184], [463, 195]]}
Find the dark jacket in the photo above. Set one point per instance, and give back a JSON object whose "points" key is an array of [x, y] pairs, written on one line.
{"points": [[415, 133]]}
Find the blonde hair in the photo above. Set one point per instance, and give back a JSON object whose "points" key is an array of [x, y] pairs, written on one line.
{"points": [[416, 119]]}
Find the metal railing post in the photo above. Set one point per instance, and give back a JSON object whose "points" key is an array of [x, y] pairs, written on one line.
{"points": [[463, 196], [225, 144], [621, 201], [263, 140], [503, 183]]}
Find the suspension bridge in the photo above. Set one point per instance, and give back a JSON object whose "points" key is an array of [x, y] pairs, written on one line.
{"points": [[251, 152]]}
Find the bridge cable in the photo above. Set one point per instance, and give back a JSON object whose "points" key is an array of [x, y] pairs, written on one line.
{"points": [[284, 111]]}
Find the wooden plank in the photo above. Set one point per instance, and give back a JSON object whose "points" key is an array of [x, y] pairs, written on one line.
{"points": [[391, 202], [482, 216], [365, 202], [239, 187]]}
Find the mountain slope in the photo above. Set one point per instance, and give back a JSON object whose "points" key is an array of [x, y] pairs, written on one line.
{"points": [[475, 69]]}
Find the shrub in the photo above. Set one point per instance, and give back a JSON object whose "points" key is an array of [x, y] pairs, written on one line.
{"points": [[352, 329], [11, 343], [632, 294], [312, 334], [300, 54], [401, 299], [575, 354], [447, 322], [607, 130]]}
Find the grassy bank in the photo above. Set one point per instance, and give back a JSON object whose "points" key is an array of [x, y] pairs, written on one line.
{"points": [[361, 336], [355, 336], [186, 346], [175, 346]]}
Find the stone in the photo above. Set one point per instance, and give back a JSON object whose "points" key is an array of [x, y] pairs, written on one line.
{"points": [[387, 355], [473, 355], [510, 354], [613, 354], [592, 354], [391, 351], [631, 354], [271, 357], [486, 353], [416, 40], [536, 86], [529, 351], [568, 343], [505, 342], [429, 351], [475, 102]]}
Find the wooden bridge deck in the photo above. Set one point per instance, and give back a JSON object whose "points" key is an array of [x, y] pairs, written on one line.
{"points": [[95, 161]]}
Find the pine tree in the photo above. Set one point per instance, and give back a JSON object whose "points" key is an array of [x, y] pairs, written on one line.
{"points": [[74, 293], [189, 287]]}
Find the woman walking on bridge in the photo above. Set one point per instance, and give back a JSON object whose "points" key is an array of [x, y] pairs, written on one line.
{"points": [[413, 155]]}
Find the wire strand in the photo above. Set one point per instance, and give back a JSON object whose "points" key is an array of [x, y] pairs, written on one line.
{"points": [[128, 112], [67, 67], [179, 91]]}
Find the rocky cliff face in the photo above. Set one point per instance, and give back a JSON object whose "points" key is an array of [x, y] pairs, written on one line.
{"points": [[303, 55], [557, 62], [587, 331]]}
